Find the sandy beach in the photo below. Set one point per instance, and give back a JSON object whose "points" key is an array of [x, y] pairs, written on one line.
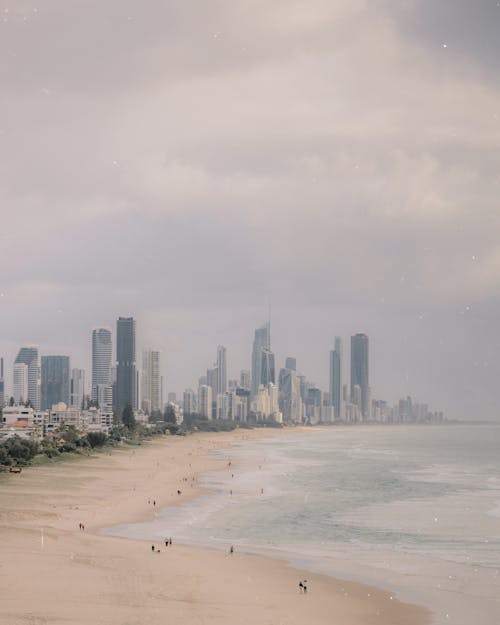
{"points": [[51, 571]]}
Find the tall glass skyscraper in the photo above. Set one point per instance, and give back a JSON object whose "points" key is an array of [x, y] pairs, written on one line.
{"points": [[30, 357], [55, 381], [336, 378], [221, 370], [262, 340], [359, 369], [2, 385], [289, 391], [126, 380], [102, 354], [77, 388], [267, 369]]}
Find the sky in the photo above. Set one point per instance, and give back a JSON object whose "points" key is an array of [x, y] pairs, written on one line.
{"points": [[189, 163]]}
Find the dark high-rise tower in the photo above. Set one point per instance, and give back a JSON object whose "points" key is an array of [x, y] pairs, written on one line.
{"points": [[55, 381], [2, 385], [336, 378], [262, 340], [221, 370], [359, 369], [126, 382], [267, 369]]}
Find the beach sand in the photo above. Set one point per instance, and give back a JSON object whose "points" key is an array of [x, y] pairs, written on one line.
{"points": [[53, 572]]}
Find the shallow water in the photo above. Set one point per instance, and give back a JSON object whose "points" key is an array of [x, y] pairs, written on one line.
{"points": [[412, 509]]}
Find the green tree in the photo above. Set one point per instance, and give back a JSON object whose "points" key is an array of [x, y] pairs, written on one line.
{"points": [[128, 418], [20, 450], [169, 415], [69, 433], [97, 439], [12, 401], [5, 458]]}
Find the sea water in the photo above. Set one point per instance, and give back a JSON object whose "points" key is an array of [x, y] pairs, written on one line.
{"points": [[415, 510]]}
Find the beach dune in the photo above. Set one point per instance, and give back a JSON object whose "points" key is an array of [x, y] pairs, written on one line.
{"points": [[52, 571]]}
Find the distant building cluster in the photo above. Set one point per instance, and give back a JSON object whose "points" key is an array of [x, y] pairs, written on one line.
{"points": [[47, 392], [262, 395]]}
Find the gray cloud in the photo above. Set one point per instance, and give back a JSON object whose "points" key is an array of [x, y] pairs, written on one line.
{"points": [[468, 29]]}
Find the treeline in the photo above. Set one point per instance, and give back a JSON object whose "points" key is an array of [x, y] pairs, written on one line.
{"points": [[17, 451]]}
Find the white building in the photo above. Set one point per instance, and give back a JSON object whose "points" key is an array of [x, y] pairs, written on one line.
{"points": [[152, 382], [30, 356], [20, 383], [13, 414], [265, 404], [102, 354], [205, 401]]}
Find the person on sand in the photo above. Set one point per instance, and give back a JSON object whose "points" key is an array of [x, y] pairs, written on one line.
{"points": [[166, 542], [301, 587], [304, 586], [231, 550], [170, 541], [152, 548]]}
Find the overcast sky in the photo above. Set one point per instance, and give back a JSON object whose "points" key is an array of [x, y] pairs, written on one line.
{"points": [[184, 161]]}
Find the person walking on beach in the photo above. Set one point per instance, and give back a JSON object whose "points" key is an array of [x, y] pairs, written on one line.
{"points": [[231, 550], [153, 548]]}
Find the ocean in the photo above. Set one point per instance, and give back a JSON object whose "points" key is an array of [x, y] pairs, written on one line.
{"points": [[413, 509]]}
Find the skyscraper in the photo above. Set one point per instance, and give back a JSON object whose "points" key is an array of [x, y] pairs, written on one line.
{"points": [[2, 385], [77, 390], [126, 382], [262, 340], [221, 370], [55, 381], [189, 402], [336, 378], [30, 356], [290, 402], [267, 375], [152, 381], [20, 383], [359, 369], [102, 354], [205, 401], [212, 377], [245, 379]]}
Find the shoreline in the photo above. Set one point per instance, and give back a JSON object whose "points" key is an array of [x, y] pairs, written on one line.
{"points": [[116, 581]]}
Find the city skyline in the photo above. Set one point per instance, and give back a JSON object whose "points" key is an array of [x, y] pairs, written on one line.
{"points": [[293, 393]]}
